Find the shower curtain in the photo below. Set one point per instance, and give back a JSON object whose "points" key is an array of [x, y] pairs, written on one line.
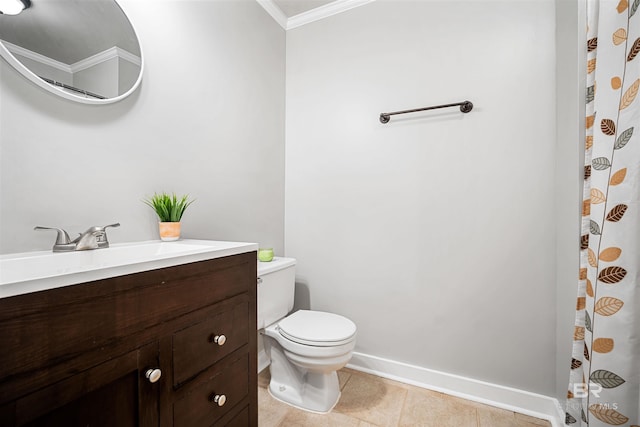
{"points": [[604, 388]]}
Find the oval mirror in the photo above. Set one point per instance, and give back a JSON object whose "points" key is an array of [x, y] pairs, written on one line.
{"points": [[83, 50]]}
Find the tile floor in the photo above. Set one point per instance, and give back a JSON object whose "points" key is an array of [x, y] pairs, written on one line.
{"points": [[371, 401]]}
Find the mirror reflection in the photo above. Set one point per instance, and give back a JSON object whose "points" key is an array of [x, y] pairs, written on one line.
{"points": [[84, 50]]}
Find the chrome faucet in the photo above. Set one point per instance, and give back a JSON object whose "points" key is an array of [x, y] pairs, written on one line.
{"points": [[93, 238]]}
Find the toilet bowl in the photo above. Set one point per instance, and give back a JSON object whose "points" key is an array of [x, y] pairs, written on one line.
{"points": [[305, 348]]}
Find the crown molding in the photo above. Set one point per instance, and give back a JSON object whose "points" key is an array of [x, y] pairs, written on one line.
{"points": [[114, 52], [128, 56], [29, 54], [313, 15], [105, 55], [325, 11], [274, 11]]}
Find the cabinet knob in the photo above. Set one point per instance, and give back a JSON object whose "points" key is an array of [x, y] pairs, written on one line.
{"points": [[218, 399], [153, 375], [218, 339]]}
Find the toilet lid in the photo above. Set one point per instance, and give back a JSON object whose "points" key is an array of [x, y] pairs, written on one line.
{"points": [[317, 328]]}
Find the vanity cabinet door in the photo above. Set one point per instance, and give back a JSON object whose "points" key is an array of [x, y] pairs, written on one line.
{"points": [[115, 393]]}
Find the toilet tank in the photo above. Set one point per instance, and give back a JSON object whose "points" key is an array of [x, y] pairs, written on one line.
{"points": [[276, 286]]}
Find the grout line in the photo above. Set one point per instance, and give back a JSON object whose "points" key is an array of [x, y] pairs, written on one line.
{"points": [[346, 382]]}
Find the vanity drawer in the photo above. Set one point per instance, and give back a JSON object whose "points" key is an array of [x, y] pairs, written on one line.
{"points": [[199, 408], [199, 346], [240, 420]]}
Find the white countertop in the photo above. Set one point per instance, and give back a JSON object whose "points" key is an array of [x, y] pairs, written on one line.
{"points": [[28, 272]]}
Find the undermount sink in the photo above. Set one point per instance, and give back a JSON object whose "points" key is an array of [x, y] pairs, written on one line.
{"points": [[34, 271]]}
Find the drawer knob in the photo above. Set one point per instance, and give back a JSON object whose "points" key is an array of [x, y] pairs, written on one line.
{"points": [[153, 375], [218, 339], [218, 399]]}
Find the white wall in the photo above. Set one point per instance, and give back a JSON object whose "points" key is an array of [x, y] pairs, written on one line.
{"points": [[570, 74], [435, 233], [127, 75], [208, 120], [44, 70], [101, 79]]}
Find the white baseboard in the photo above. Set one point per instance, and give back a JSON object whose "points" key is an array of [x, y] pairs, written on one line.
{"points": [[524, 402]]}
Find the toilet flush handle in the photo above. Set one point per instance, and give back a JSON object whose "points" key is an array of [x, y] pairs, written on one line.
{"points": [[259, 280]]}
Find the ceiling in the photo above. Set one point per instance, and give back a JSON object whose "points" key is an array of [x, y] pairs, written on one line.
{"points": [[295, 7]]}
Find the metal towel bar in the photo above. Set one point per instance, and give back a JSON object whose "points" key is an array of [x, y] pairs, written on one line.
{"points": [[465, 107]]}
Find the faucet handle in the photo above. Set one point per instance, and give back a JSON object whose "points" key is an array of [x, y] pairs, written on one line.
{"points": [[102, 234], [63, 237], [103, 230]]}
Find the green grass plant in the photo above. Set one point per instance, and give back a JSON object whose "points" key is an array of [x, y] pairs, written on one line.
{"points": [[168, 207]]}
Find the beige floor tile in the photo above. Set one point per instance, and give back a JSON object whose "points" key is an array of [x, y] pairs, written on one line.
{"points": [[343, 377], [297, 417], [525, 420], [369, 399], [263, 378], [270, 411], [489, 416], [431, 409]]}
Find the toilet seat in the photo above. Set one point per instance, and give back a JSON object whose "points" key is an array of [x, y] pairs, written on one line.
{"points": [[317, 328]]}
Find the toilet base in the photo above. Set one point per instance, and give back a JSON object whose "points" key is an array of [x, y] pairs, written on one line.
{"points": [[319, 399], [309, 390]]}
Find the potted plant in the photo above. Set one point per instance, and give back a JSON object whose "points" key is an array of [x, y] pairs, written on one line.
{"points": [[169, 209]]}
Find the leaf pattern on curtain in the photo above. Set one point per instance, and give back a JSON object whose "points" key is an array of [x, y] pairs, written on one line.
{"points": [[604, 388], [635, 49], [618, 177]]}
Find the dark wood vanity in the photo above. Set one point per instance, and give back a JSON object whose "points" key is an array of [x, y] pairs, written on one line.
{"points": [[87, 354]]}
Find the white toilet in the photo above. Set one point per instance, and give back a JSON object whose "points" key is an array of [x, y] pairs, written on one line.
{"points": [[306, 348]]}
